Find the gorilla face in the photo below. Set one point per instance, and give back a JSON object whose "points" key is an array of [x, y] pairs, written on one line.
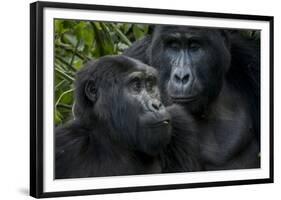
{"points": [[124, 95], [152, 119], [192, 63]]}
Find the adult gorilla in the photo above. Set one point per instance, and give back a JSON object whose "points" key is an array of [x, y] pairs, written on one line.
{"points": [[214, 74], [122, 128]]}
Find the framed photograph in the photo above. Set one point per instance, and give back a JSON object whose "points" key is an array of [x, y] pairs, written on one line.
{"points": [[126, 99]]}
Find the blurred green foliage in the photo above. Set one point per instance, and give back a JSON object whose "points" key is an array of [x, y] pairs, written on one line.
{"points": [[76, 42]]}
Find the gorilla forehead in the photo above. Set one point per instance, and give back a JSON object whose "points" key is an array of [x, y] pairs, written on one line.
{"points": [[111, 70], [139, 66], [114, 66], [179, 31]]}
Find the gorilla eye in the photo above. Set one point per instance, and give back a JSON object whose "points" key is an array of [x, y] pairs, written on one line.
{"points": [[193, 45], [136, 84], [149, 85], [173, 44]]}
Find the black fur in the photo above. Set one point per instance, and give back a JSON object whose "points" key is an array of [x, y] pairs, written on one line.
{"points": [[182, 153], [215, 75]]}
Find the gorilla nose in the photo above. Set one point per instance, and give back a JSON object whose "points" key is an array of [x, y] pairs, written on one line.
{"points": [[181, 78], [155, 106]]}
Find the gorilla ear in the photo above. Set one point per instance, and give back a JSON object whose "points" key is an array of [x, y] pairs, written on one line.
{"points": [[91, 91]]}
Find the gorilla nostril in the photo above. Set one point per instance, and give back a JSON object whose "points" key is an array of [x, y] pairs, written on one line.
{"points": [[185, 79], [177, 78], [181, 79], [155, 106]]}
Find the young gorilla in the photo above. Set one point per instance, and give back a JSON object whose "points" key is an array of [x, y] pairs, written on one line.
{"points": [[121, 127]]}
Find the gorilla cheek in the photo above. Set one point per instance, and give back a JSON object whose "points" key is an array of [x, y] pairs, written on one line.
{"points": [[154, 132], [172, 91], [209, 82], [101, 108], [152, 140]]}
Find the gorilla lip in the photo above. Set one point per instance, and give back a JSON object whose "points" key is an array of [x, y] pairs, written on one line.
{"points": [[160, 123], [184, 99]]}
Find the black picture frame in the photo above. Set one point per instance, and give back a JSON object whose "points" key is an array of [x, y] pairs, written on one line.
{"points": [[37, 97]]}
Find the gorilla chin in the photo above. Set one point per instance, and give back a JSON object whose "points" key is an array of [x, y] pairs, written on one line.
{"points": [[183, 95], [158, 136], [156, 129]]}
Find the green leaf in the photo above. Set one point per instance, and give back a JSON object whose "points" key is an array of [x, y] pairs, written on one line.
{"points": [[121, 35], [69, 24], [122, 46], [108, 44], [59, 26], [103, 44], [66, 97], [138, 33], [70, 38], [58, 117], [126, 27], [64, 74], [78, 64], [88, 36], [79, 29]]}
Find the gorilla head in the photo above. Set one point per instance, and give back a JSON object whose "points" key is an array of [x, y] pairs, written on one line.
{"points": [[121, 126], [192, 63], [122, 94]]}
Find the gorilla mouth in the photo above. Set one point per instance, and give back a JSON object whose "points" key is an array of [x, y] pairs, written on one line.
{"points": [[183, 99], [160, 123]]}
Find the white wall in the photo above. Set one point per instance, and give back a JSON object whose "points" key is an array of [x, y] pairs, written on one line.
{"points": [[14, 99]]}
